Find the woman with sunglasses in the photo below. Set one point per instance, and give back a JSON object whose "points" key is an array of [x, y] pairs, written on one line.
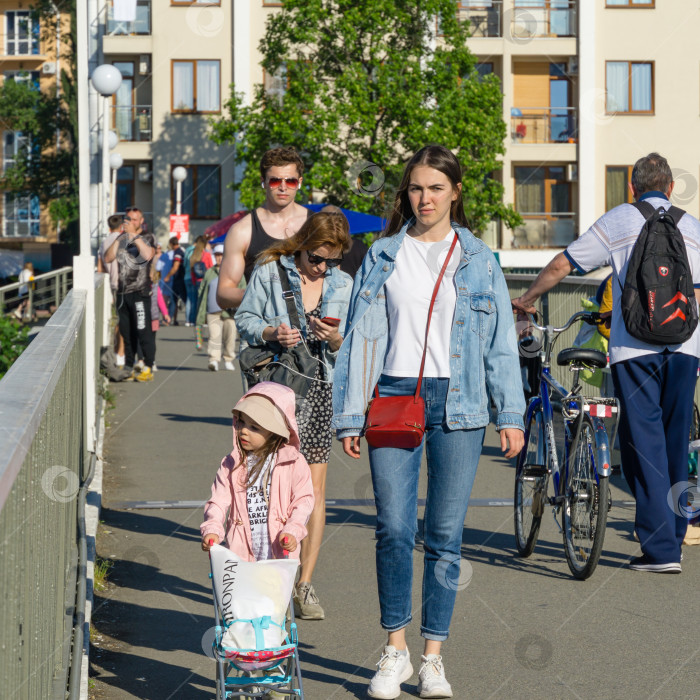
{"points": [[311, 260], [471, 362]]}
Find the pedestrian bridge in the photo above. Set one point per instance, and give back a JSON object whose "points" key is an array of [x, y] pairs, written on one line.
{"points": [[521, 628]]}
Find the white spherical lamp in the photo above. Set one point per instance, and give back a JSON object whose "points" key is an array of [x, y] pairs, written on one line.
{"points": [[115, 161], [179, 174], [112, 139], [106, 79]]}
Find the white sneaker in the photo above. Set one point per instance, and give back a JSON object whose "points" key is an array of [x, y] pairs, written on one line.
{"points": [[213, 366], [154, 368], [393, 669], [431, 678], [139, 365], [229, 365], [121, 360]]}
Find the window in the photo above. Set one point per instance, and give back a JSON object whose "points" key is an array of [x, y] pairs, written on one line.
{"points": [[617, 178], [276, 83], [273, 3], [21, 33], [196, 86], [629, 3], [20, 215], [629, 87], [483, 69], [195, 2], [201, 191], [23, 76]]}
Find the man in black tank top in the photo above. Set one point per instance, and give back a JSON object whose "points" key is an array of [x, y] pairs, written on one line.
{"points": [[279, 217]]}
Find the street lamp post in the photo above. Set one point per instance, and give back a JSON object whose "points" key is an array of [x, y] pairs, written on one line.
{"points": [[115, 162], [106, 79], [179, 175]]}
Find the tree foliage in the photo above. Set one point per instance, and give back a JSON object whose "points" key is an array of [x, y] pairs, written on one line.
{"points": [[368, 84], [40, 168]]}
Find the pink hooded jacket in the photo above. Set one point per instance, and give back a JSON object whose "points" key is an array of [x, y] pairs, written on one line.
{"points": [[291, 491]]}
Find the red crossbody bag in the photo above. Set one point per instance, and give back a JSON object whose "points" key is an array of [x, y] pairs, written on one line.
{"points": [[399, 421]]}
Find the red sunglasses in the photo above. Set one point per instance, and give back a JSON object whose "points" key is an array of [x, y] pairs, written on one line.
{"points": [[292, 182]]}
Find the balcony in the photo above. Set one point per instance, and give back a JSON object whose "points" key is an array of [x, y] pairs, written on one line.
{"points": [[545, 230], [132, 122], [532, 19], [484, 18], [529, 19], [140, 26], [544, 125]]}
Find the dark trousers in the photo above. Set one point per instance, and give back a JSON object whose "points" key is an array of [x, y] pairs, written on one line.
{"points": [[134, 311], [656, 396]]}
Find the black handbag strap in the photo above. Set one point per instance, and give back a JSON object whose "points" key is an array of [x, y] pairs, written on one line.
{"points": [[288, 296]]}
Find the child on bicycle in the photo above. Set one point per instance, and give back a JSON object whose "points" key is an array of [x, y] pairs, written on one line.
{"points": [[262, 495]]}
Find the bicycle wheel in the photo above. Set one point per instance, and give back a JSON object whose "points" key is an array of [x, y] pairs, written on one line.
{"points": [[586, 505], [531, 478]]}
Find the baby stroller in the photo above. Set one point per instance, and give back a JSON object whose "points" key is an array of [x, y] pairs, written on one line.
{"points": [[255, 641]]}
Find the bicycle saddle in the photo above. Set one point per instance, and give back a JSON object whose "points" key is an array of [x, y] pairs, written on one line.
{"points": [[586, 356]]}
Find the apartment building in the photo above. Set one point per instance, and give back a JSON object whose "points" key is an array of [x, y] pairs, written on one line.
{"points": [[176, 61], [589, 86], [33, 54]]}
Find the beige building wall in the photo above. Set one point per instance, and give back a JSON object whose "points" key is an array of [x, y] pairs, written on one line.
{"points": [[666, 35]]}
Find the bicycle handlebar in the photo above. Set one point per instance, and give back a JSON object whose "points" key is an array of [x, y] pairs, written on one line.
{"points": [[590, 317]]}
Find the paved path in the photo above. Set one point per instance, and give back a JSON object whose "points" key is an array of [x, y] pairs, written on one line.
{"points": [[521, 628]]}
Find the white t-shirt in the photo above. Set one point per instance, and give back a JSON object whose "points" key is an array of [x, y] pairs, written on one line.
{"points": [[258, 504], [409, 289]]}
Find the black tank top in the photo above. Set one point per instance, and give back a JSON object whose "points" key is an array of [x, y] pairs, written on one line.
{"points": [[259, 241]]}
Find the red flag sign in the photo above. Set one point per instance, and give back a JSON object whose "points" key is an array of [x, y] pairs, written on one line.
{"points": [[179, 224]]}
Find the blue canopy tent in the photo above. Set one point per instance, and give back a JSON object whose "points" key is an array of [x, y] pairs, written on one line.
{"points": [[359, 222]]}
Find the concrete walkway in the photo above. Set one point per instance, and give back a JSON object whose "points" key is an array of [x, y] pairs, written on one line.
{"points": [[521, 628]]}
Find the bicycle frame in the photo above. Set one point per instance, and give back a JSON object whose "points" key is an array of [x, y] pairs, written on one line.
{"points": [[573, 404]]}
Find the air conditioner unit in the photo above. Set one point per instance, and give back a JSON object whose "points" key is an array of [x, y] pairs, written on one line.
{"points": [[145, 172], [572, 66], [49, 68], [144, 64], [572, 172]]}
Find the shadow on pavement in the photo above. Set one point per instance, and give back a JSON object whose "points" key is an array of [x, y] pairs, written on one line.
{"points": [[214, 420], [147, 523], [344, 675]]}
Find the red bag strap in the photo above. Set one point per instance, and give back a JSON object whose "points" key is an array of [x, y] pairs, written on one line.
{"points": [[427, 325]]}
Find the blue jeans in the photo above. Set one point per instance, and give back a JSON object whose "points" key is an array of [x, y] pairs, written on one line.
{"points": [[453, 456], [191, 304]]}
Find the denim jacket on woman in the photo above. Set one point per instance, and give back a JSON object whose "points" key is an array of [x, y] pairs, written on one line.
{"points": [[263, 304], [484, 364]]}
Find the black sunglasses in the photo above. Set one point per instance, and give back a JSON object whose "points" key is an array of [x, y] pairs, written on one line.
{"points": [[317, 260]]}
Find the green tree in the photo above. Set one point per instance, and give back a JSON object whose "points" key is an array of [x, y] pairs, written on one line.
{"points": [[39, 116], [367, 85]]}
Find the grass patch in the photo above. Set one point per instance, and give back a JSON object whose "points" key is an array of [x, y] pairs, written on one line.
{"points": [[102, 567]]}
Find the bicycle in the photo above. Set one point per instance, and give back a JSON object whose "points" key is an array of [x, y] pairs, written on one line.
{"points": [[581, 492]]}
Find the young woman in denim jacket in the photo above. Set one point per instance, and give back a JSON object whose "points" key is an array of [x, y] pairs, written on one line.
{"points": [[310, 258], [471, 362]]}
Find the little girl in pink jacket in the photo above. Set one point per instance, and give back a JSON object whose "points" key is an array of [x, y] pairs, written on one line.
{"points": [[264, 484]]}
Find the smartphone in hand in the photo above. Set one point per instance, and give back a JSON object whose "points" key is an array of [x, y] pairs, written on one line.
{"points": [[330, 321]]}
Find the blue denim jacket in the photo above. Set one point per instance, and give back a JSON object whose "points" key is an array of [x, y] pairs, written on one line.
{"points": [[263, 304], [484, 363]]}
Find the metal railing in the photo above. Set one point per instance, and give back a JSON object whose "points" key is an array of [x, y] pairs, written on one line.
{"points": [[544, 125], [545, 230], [132, 122], [44, 293], [537, 19], [141, 25], [42, 465]]}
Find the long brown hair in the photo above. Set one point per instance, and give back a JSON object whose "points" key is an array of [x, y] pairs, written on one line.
{"points": [[323, 228], [271, 446], [441, 159], [199, 245]]}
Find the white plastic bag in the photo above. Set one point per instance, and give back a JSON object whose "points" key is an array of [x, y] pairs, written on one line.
{"points": [[258, 591]]}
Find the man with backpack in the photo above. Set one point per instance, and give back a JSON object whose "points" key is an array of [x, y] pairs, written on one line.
{"points": [[654, 250]]}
